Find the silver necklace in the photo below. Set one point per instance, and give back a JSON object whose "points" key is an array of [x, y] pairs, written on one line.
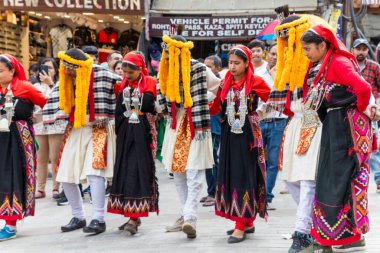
{"points": [[9, 109], [236, 123], [133, 98]]}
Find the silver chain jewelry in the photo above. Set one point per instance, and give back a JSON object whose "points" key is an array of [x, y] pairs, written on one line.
{"points": [[236, 123]]}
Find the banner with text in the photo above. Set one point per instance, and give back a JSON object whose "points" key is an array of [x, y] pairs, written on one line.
{"points": [[126, 7], [211, 27]]}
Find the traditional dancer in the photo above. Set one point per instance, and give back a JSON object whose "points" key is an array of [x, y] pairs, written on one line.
{"points": [[134, 191], [87, 151], [342, 98], [241, 188], [301, 140], [187, 148], [18, 148]]}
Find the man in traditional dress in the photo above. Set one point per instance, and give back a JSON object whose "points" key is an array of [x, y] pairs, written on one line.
{"points": [[87, 152], [187, 148]]}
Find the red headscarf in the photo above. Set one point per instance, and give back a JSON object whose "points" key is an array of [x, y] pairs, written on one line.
{"points": [[145, 85], [336, 46], [251, 81], [20, 87], [18, 68]]}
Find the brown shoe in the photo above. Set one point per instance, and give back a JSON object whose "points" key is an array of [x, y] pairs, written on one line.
{"points": [[189, 228], [122, 227], [203, 199], [209, 202], [40, 194], [131, 228], [177, 226]]}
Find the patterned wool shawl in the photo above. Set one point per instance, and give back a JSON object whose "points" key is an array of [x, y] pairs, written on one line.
{"points": [[200, 113], [280, 100], [104, 98]]}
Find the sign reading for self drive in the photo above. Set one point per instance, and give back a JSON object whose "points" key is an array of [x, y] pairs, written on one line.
{"points": [[210, 27], [135, 7]]}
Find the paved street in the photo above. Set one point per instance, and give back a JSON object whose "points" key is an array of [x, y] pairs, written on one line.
{"points": [[42, 232]]}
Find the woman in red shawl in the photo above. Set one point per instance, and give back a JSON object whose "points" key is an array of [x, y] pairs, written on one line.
{"points": [[17, 149], [241, 191], [342, 98], [134, 191]]}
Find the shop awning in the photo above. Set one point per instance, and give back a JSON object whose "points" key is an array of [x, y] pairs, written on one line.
{"points": [[228, 7]]}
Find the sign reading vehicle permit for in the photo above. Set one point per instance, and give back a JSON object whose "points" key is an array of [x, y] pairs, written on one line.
{"points": [[211, 27]]}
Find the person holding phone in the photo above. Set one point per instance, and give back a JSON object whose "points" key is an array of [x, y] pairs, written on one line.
{"points": [[49, 136]]}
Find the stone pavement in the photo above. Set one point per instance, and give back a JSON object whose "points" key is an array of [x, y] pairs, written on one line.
{"points": [[42, 233]]}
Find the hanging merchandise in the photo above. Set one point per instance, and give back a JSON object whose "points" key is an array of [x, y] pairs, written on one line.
{"points": [[108, 37], [60, 36], [129, 38], [84, 36]]}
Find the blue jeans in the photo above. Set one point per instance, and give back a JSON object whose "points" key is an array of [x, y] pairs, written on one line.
{"points": [[375, 158], [211, 174], [272, 135]]}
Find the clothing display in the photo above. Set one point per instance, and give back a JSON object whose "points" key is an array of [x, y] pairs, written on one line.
{"points": [[108, 36], [59, 38], [84, 36]]}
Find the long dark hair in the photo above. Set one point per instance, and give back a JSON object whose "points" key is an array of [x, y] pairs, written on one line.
{"points": [[47, 59], [239, 54], [310, 37], [7, 62]]}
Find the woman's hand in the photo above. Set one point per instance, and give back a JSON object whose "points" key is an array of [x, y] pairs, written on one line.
{"points": [[372, 112], [46, 79]]}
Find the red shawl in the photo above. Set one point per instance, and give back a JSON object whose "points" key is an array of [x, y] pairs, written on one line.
{"points": [[147, 84], [22, 88], [252, 82]]}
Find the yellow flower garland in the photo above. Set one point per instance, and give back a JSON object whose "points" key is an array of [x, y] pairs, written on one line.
{"points": [[292, 64], [67, 97], [170, 78]]}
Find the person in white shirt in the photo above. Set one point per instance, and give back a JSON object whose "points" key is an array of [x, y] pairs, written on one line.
{"points": [[273, 123]]}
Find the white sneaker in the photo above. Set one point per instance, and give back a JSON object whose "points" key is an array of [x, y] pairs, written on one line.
{"points": [[189, 228]]}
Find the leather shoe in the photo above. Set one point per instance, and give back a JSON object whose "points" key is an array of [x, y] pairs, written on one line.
{"points": [[247, 231], [233, 239], [131, 228], [74, 224], [95, 227], [122, 227]]}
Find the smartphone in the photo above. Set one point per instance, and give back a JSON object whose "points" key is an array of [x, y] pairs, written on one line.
{"points": [[43, 69]]}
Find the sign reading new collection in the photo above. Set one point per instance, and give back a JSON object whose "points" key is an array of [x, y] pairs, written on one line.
{"points": [[135, 7], [210, 27]]}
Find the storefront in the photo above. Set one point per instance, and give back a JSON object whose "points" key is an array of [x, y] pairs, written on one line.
{"points": [[31, 29]]}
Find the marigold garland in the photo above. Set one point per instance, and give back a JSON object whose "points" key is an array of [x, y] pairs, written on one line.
{"points": [[170, 78], [292, 64], [78, 98], [163, 74]]}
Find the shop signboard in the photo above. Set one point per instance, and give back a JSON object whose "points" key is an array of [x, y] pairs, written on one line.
{"points": [[126, 7], [207, 28]]}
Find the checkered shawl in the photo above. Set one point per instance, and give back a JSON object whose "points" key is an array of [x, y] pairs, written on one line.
{"points": [[313, 73], [51, 112], [277, 99], [200, 112], [104, 97]]}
